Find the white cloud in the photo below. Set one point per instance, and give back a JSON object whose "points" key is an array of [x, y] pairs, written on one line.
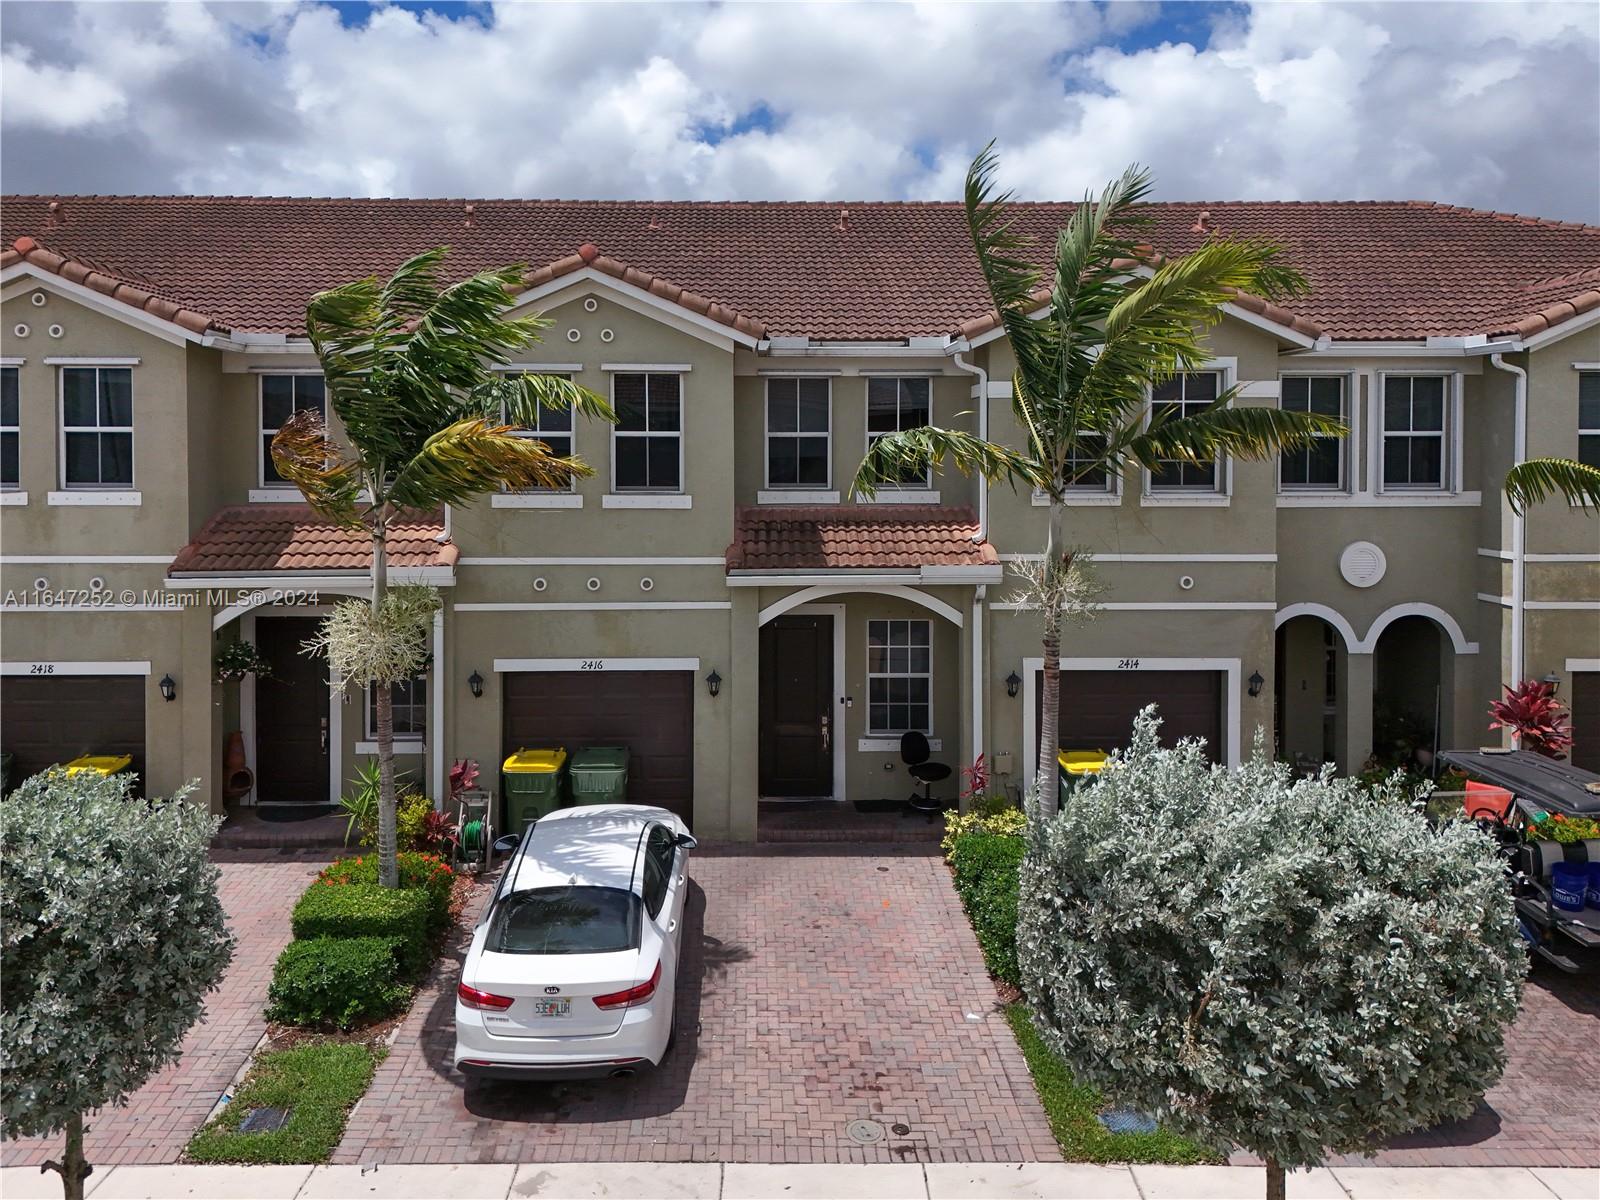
{"points": [[1475, 103]]}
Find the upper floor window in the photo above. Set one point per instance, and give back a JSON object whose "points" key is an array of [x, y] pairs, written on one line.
{"points": [[1085, 467], [1414, 420], [799, 433], [896, 406], [899, 677], [553, 427], [647, 440], [1179, 397], [1588, 418], [1321, 464], [10, 429], [282, 396], [97, 427], [408, 702]]}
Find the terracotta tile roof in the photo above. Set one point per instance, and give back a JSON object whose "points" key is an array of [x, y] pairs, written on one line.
{"points": [[76, 270], [770, 538], [291, 537], [1554, 301], [856, 271]]}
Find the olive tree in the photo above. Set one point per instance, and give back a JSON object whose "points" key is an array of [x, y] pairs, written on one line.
{"points": [[112, 936], [1294, 966]]}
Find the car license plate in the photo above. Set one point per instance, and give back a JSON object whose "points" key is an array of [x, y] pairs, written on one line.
{"points": [[552, 1008]]}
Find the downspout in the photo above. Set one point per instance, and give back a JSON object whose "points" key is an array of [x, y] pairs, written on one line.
{"points": [[979, 593], [983, 430], [1519, 530]]}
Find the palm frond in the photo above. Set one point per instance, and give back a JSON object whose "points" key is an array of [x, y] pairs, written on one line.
{"points": [[1248, 433], [522, 397], [304, 454], [1538, 479], [894, 456], [473, 457]]}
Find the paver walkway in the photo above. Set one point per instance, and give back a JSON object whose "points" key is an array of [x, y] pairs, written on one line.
{"points": [[818, 986], [157, 1122]]}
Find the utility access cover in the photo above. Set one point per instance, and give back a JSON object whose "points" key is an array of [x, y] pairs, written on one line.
{"points": [[1127, 1120], [864, 1133], [265, 1120]]}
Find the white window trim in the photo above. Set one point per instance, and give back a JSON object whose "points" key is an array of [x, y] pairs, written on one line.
{"points": [[1348, 401], [537, 435], [790, 495], [620, 494], [12, 498], [285, 492], [1450, 436], [1221, 493], [804, 489], [535, 500], [1082, 496], [646, 500], [889, 493], [897, 734], [90, 498], [12, 488], [891, 745], [369, 717], [94, 489]]}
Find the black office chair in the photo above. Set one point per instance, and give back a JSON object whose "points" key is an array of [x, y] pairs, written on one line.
{"points": [[914, 752]]}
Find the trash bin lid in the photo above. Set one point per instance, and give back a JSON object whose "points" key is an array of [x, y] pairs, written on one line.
{"points": [[105, 764], [601, 758], [534, 762], [1082, 762]]}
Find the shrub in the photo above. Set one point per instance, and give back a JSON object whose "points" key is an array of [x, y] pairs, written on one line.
{"points": [[427, 872], [336, 981], [986, 867], [359, 910], [1002, 818], [1293, 966]]}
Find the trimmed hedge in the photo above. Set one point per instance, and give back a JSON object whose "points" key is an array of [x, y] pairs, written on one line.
{"points": [[986, 867], [365, 910], [427, 872], [338, 981]]}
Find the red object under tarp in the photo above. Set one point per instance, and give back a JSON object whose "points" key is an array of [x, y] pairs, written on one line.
{"points": [[1486, 802]]}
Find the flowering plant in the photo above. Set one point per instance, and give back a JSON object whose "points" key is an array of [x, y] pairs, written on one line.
{"points": [[1536, 719], [237, 660]]}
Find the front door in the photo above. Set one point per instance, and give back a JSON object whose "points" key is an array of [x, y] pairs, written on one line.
{"points": [[291, 715], [797, 706]]}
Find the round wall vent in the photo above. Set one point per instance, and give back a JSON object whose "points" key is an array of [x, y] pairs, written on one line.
{"points": [[606, 335], [20, 329], [1362, 564], [39, 299], [574, 335], [590, 304], [540, 584], [55, 331]]}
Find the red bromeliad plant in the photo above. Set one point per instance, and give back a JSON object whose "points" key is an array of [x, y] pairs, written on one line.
{"points": [[975, 779], [1536, 719]]}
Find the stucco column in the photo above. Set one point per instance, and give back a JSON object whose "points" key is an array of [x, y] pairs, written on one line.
{"points": [[192, 722], [741, 700], [968, 750], [1355, 711]]}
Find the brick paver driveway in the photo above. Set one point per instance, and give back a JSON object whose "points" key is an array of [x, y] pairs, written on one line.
{"points": [[157, 1122], [819, 985]]}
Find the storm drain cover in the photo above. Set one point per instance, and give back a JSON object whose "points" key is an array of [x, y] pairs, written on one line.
{"points": [[900, 1130], [1127, 1120], [864, 1133], [265, 1120]]}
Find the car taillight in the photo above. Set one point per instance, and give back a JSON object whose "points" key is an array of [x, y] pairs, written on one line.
{"points": [[637, 994], [474, 998]]}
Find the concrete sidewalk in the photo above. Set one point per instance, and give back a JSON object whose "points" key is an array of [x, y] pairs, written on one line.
{"points": [[753, 1181]]}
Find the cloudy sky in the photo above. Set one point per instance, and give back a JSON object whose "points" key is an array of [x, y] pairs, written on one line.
{"points": [[1492, 105]]}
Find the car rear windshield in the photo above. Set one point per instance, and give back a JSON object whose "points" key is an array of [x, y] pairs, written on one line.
{"points": [[565, 920]]}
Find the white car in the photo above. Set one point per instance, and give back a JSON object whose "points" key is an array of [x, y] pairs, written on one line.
{"points": [[574, 962]]}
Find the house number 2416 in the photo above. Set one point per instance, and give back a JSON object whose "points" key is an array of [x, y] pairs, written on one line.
{"points": [[593, 664]]}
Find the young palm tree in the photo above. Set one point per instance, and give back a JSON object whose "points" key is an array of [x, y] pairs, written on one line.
{"points": [[1117, 322], [1540, 478], [426, 420]]}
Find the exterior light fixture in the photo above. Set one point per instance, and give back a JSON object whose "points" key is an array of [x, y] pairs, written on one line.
{"points": [[169, 688], [713, 682], [1256, 683], [1013, 684], [1554, 681], [475, 682]]}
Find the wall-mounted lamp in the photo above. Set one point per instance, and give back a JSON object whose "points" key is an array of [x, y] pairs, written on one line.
{"points": [[713, 682], [169, 688], [1013, 684], [1256, 683], [1554, 681], [475, 682]]}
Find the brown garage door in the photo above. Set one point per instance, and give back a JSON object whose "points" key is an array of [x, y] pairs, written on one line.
{"points": [[650, 712], [1586, 720], [55, 720], [1098, 707]]}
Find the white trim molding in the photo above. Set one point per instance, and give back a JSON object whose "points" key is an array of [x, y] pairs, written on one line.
{"points": [[649, 368], [403, 748], [276, 495], [887, 495], [95, 498], [118, 310], [596, 606], [1562, 605], [1163, 606], [84, 560], [601, 663], [1155, 558], [890, 745], [636, 299], [532, 368], [646, 500], [706, 560], [1381, 500], [1418, 608], [1583, 664], [796, 497], [47, 668], [1307, 608], [69, 360], [566, 500], [824, 590], [12, 498]]}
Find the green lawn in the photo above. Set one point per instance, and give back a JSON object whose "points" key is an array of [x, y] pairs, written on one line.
{"points": [[320, 1081], [1072, 1110]]}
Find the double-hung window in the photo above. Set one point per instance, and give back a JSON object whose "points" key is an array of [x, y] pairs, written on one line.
{"points": [[896, 406], [1179, 397], [1085, 468], [408, 702], [1588, 418], [282, 397], [799, 433], [1414, 432], [647, 440], [97, 427], [899, 677], [10, 429], [1319, 466], [553, 427]]}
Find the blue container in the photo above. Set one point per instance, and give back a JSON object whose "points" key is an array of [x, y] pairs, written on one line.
{"points": [[1592, 894], [1567, 884]]}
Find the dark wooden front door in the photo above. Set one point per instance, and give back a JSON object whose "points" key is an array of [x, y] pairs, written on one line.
{"points": [[797, 706], [291, 715]]}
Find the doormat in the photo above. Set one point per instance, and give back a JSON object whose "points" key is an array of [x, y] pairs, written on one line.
{"points": [[878, 806], [281, 813]]}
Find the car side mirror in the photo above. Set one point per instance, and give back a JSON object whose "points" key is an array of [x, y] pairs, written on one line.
{"points": [[507, 842], [685, 841]]}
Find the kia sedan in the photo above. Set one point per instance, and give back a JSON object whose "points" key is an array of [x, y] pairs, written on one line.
{"points": [[574, 962]]}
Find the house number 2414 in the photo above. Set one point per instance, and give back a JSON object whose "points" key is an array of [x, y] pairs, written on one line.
{"points": [[1127, 664]]}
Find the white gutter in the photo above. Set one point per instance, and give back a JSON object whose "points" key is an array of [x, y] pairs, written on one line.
{"points": [[958, 349], [1519, 523]]}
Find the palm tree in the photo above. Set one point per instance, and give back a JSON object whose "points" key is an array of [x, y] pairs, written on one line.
{"points": [[1118, 321], [426, 420], [1540, 478]]}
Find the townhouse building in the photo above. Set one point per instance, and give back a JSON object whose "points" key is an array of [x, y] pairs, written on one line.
{"points": [[714, 597]]}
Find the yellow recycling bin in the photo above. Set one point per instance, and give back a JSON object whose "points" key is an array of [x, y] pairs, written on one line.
{"points": [[100, 764], [1077, 766]]}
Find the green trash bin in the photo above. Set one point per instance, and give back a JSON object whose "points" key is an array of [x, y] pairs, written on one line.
{"points": [[599, 775], [531, 784]]}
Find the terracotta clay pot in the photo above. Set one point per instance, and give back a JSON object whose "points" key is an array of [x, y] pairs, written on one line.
{"points": [[238, 776]]}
